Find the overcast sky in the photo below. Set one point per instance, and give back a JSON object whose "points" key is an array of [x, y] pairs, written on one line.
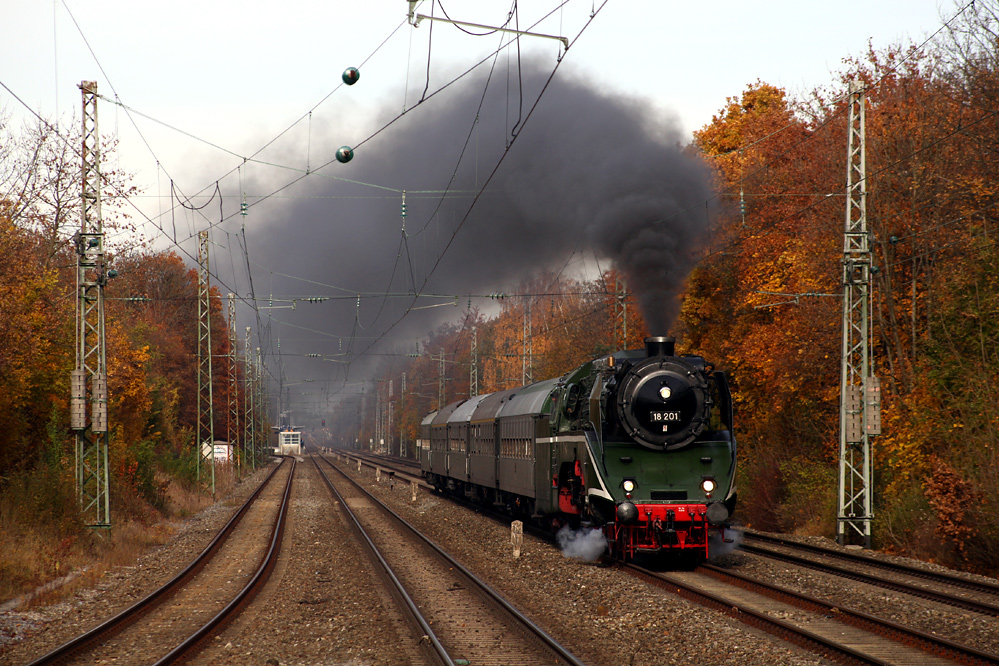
{"points": [[249, 95], [237, 73]]}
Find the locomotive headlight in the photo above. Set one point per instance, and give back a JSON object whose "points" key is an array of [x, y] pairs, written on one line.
{"points": [[628, 485], [708, 485], [665, 393]]}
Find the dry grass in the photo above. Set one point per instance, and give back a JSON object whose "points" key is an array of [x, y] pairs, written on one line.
{"points": [[123, 545], [34, 552], [29, 558], [183, 500]]}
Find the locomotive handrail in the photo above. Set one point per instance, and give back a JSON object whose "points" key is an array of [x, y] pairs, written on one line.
{"points": [[598, 386]]}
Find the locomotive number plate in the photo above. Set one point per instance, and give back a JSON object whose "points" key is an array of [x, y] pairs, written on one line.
{"points": [[664, 417]]}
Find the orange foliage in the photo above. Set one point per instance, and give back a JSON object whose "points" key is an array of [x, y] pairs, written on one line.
{"points": [[951, 496], [36, 329], [764, 303]]}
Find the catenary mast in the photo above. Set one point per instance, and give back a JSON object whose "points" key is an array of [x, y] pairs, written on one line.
{"points": [[859, 390], [89, 379], [205, 441]]}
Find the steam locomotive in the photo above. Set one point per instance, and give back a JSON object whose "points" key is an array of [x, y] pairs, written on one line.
{"points": [[638, 443]]}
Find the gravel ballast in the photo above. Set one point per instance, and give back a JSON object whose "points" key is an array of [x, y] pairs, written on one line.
{"points": [[324, 605]]}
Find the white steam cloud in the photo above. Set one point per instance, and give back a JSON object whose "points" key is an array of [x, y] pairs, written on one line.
{"points": [[718, 548], [585, 544]]}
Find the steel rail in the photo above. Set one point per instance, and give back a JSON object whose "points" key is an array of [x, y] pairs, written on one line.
{"points": [[410, 470], [962, 654], [936, 576], [130, 615], [966, 604], [409, 605], [560, 651], [195, 641], [800, 637]]}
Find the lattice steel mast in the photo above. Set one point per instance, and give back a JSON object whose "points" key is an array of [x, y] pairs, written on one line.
{"points": [[89, 378], [249, 420], [440, 382], [390, 409], [527, 358], [859, 394], [206, 415], [620, 314], [263, 404], [402, 421], [473, 365], [233, 422]]}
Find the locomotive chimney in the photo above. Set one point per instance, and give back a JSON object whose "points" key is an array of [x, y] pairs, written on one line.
{"points": [[659, 346]]}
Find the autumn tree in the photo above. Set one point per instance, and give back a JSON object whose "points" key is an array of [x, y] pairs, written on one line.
{"points": [[764, 301], [759, 306], [39, 178], [567, 322], [157, 295], [35, 358]]}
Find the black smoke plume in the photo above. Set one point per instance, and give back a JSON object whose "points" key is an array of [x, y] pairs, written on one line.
{"points": [[589, 171]]}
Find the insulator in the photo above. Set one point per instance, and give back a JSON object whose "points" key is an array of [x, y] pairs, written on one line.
{"points": [[78, 400], [99, 403], [351, 75], [344, 155]]}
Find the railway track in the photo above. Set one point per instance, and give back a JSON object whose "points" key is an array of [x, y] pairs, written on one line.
{"points": [[943, 587], [459, 617], [832, 630], [392, 462], [407, 470], [173, 622]]}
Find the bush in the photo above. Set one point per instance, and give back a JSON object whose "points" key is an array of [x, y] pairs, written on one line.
{"points": [[810, 497], [906, 525]]}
